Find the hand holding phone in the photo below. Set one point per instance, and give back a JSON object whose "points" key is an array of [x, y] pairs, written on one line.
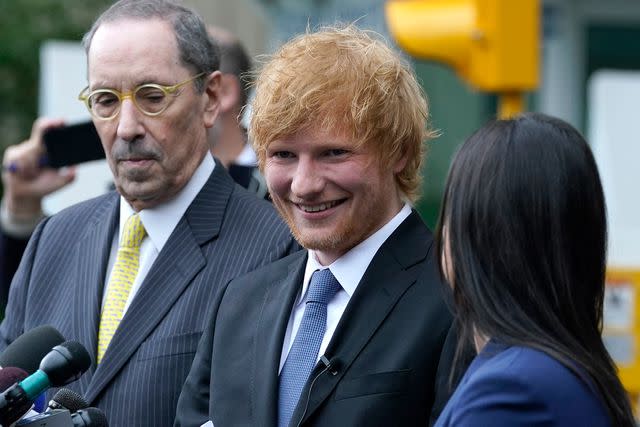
{"points": [[26, 177], [71, 145], [56, 146]]}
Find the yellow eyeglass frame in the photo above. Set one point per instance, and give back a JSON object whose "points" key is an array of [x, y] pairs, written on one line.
{"points": [[167, 90]]}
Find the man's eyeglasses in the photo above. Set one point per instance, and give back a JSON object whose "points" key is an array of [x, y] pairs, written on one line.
{"points": [[151, 99]]}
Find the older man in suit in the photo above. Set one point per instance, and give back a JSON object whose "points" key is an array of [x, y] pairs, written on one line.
{"points": [[349, 332], [132, 275], [26, 182]]}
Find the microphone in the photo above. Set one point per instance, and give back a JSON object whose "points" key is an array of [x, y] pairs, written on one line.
{"points": [[67, 409], [62, 365], [67, 399], [29, 348], [89, 417], [10, 375], [330, 366]]}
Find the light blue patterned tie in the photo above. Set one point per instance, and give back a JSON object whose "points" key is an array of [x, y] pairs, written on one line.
{"points": [[304, 351]]}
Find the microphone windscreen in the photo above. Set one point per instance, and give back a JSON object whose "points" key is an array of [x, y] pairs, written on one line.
{"points": [[79, 355], [68, 399], [65, 363], [11, 375], [28, 349], [89, 417]]}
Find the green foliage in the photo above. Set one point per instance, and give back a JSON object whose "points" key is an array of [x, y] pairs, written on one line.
{"points": [[24, 25]]}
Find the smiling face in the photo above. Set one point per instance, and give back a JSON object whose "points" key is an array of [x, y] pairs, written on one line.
{"points": [[151, 158], [332, 194]]}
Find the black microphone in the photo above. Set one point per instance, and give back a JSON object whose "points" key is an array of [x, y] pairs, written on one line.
{"points": [[89, 417], [28, 349], [67, 399], [62, 365], [330, 366], [81, 415]]}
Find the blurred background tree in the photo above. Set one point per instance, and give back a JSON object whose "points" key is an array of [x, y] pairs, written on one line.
{"points": [[24, 25]]}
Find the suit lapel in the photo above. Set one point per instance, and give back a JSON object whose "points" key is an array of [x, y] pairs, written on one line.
{"points": [[93, 251], [272, 325], [388, 277], [180, 260]]}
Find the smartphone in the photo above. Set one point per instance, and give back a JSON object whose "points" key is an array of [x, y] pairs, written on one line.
{"points": [[73, 144]]}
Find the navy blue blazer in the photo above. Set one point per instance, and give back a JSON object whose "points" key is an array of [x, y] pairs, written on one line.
{"points": [[519, 386], [385, 350], [225, 232]]}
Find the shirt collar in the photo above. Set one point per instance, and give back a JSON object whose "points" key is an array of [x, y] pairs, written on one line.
{"points": [[160, 221], [350, 267]]}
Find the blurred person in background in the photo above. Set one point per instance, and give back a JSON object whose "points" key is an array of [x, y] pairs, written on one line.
{"points": [[522, 242], [228, 137]]}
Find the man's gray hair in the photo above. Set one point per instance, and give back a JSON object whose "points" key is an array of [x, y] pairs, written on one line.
{"points": [[197, 51]]}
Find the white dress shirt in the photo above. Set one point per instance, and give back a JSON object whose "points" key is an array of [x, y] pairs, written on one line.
{"points": [[348, 270], [159, 222]]}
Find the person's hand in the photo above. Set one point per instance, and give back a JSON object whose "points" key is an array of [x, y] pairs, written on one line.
{"points": [[25, 181]]}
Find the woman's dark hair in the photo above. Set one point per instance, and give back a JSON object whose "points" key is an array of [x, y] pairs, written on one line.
{"points": [[524, 217]]}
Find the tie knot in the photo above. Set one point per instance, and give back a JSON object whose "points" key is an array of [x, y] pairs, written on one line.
{"points": [[133, 232], [323, 287]]}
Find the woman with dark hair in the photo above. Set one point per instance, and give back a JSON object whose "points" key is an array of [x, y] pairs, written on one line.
{"points": [[522, 242]]}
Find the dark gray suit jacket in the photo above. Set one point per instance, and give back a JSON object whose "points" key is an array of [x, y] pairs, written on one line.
{"points": [[225, 232], [384, 353]]}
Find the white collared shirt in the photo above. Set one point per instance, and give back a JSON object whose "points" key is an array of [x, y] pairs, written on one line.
{"points": [[348, 270], [159, 222]]}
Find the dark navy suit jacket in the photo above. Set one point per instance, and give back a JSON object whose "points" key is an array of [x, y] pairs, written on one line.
{"points": [[519, 386], [226, 231], [385, 350]]}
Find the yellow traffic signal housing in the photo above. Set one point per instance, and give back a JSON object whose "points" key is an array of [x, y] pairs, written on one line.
{"points": [[492, 44]]}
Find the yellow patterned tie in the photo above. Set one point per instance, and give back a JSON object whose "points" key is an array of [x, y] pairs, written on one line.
{"points": [[124, 273]]}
